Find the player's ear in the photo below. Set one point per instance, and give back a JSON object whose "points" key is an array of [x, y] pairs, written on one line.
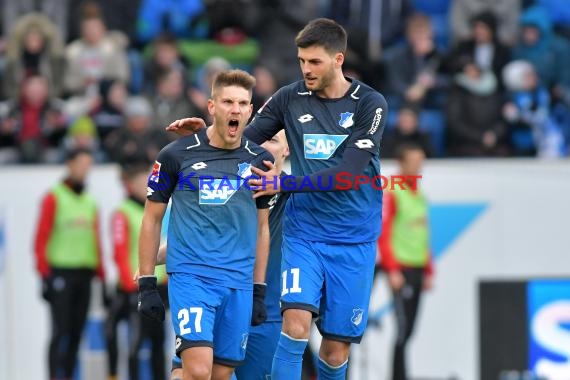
{"points": [[211, 107], [339, 59]]}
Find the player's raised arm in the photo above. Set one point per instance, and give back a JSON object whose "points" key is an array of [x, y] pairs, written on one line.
{"points": [[186, 126]]}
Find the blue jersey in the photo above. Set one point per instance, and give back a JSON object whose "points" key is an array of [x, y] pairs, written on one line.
{"points": [[273, 273], [319, 131], [213, 219]]}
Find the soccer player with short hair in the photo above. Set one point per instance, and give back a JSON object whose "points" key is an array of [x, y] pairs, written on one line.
{"points": [[212, 233], [334, 126]]}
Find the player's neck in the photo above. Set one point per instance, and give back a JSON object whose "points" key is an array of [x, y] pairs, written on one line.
{"points": [[336, 89], [217, 141]]}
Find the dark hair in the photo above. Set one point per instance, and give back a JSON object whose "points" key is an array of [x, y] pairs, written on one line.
{"points": [[323, 32], [72, 154], [165, 39], [404, 148], [238, 78]]}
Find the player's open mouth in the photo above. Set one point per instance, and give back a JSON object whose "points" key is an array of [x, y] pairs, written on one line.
{"points": [[233, 127]]}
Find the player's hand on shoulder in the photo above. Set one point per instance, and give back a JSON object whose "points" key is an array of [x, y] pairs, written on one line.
{"points": [[149, 301], [186, 126], [259, 311], [268, 182]]}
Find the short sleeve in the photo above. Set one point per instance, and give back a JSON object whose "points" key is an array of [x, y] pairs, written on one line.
{"points": [[163, 178]]}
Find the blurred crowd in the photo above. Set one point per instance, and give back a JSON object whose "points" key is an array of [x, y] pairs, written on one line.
{"points": [[463, 78]]}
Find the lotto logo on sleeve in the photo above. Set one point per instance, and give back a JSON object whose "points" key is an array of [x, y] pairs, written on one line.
{"points": [[320, 146], [217, 191]]}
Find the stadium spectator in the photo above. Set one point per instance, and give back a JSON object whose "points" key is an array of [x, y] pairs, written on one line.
{"points": [[533, 131], [506, 12], [474, 122], [415, 70], [108, 113], [35, 124], [407, 131], [97, 55], [165, 57], [34, 47], [138, 141], [169, 101], [483, 46]]}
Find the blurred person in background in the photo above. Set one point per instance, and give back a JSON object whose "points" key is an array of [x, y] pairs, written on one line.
{"points": [[138, 140], [165, 58], [125, 224], [82, 134], [97, 55], [506, 11], [475, 126], [266, 85], [533, 130], [199, 94], [58, 12], [405, 250], [169, 100], [415, 69], [35, 124], [34, 47], [68, 256], [483, 46], [108, 115], [406, 131]]}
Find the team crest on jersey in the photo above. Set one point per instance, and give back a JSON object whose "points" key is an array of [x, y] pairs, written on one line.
{"points": [[321, 146], [155, 175], [217, 191], [357, 315], [244, 170], [346, 120]]}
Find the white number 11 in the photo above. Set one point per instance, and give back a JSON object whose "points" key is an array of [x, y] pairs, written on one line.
{"points": [[295, 288]]}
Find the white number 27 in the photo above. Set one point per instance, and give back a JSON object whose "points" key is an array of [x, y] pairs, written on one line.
{"points": [[184, 317]]}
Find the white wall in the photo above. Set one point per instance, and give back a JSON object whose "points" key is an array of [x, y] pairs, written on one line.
{"points": [[523, 232]]}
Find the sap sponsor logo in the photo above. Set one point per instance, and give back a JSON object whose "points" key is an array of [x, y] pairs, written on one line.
{"points": [[549, 321], [305, 118], [346, 120], [375, 121], [217, 191], [357, 315], [320, 146]]}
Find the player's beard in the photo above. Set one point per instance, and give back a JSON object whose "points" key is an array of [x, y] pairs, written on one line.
{"points": [[325, 81]]}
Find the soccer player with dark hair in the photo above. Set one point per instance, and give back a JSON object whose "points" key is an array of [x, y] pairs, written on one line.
{"points": [[218, 235], [68, 256], [334, 126]]}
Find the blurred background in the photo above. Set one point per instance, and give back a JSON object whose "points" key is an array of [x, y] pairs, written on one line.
{"points": [[482, 86]]}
